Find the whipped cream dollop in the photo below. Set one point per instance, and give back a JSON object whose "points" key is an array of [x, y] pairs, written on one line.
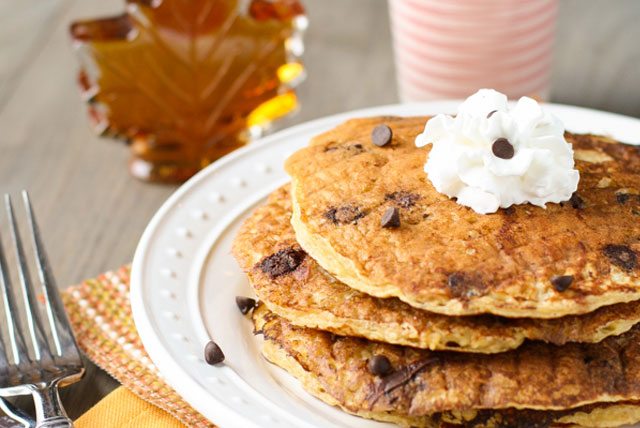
{"points": [[490, 156]]}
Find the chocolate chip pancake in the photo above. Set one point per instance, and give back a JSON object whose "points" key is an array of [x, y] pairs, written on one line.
{"points": [[294, 286], [421, 387], [524, 261]]}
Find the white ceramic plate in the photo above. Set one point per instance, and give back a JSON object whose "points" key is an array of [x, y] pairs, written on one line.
{"points": [[184, 279]]}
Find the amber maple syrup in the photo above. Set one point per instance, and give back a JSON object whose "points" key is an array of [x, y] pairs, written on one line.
{"points": [[188, 81]]}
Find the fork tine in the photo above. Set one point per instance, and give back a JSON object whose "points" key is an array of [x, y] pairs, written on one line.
{"points": [[16, 343], [63, 338], [34, 319]]}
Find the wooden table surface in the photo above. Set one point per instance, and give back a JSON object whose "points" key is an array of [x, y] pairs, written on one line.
{"points": [[92, 213]]}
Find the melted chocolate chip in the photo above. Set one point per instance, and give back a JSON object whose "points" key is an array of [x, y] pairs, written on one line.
{"points": [[284, 261], [345, 214], [502, 149], [621, 256], [391, 218], [381, 135], [622, 198], [245, 304], [491, 113], [561, 282], [379, 365], [402, 198], [577, 202], [398, 378], [213, 354], [509, 210], [464, 285]]}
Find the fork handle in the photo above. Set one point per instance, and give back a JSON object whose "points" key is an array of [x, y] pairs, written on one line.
{"points": [[56, 422], [49, 410]]}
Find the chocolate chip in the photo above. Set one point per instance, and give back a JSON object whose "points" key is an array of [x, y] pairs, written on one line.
{"points": [[284, 261], [622, 198], [403, 198], [502, 149], [455, 280], [381, 135], [245, 304], [509, 210], [577, 202], [398, 378], [391, 218], [561, 282], [213, 354], [379, 365], [345, 214], [621, 256], [465, 285], [491, 113]]}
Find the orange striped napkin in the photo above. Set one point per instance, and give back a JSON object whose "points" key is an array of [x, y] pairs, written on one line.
{"points": [[100, 313], [123, 409]]}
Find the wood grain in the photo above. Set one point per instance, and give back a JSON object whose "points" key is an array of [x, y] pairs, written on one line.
{"points": [[92, 214]]}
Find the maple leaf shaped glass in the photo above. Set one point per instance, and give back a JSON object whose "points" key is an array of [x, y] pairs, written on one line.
{"points": [[187, 81]]}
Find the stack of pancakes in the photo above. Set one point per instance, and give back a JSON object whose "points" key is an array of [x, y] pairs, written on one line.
{"points": [[446, 317]]}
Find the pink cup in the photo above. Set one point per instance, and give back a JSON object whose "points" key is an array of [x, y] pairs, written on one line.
{"points": [[450, 49]]}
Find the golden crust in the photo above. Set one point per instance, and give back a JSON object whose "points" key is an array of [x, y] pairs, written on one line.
{"points": [[594, 415], [448, 259], [603, 416], [535, 376], [308, 296], [599, 415], [279, 357]]}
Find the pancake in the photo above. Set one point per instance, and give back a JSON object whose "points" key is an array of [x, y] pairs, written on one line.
{"points": [[593, 416], [308, 296], [426, 386], [446, 258]]}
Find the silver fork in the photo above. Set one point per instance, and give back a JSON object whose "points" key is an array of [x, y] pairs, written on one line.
{"points": [[40, 355]]}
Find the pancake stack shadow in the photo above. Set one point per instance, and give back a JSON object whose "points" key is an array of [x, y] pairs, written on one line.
{"points": [[393, 302]]}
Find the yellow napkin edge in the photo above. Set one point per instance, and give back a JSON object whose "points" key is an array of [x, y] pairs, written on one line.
{"points": [[124, 409]]}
